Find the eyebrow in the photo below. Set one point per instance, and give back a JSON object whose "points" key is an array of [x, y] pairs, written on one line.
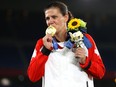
{"points": [[53, 16]]}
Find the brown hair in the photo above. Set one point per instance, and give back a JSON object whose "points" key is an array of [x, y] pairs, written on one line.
{"points": [[61, 6]]}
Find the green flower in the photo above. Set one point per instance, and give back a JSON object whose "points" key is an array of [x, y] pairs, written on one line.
{"points": [[82, 23]]}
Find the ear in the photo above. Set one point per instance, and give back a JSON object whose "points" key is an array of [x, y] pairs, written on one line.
{"points": [[66, 17]]}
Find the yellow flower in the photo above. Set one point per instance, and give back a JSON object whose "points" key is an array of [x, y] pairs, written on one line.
{"points": [[73, 24]]}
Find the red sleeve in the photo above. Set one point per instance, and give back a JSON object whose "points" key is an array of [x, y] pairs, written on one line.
{"points": [[94, 64], [36, 67]]}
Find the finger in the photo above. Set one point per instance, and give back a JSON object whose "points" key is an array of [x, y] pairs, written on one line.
{"points": [[48, 35], [80, 50], [49, 38]]}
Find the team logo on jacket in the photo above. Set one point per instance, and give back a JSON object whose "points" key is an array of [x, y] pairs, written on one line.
{"points": [[34, 53], [96, 51]]}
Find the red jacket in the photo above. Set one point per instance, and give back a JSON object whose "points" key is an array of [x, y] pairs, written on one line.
{"points": [[93, 65]]}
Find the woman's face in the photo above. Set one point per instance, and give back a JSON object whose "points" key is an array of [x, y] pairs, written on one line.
{"points": [[54, 17]]}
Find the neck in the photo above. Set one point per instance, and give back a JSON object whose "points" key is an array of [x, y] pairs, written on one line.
{"points": [[61, 36]]}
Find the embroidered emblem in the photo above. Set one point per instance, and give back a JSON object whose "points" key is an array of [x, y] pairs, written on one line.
{"points": [[96, 51], [34, 53]]}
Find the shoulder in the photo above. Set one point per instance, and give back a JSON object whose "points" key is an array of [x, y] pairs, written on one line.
{"points": [[39, 43], [89, 37]]}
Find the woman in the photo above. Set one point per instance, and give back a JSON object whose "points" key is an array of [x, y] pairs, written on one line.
{"points": [[57, 69]]}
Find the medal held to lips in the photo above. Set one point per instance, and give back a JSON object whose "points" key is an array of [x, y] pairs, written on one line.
{"points": [[51, 30]]}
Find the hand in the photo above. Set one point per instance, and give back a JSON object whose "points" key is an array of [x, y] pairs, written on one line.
{"points": [[81, 54], [47, 41]]}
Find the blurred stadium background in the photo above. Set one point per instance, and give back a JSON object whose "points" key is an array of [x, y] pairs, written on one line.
{"points": [[22, 24]]}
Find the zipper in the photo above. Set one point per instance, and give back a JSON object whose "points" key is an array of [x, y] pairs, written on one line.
{"points": [[87, 84]]}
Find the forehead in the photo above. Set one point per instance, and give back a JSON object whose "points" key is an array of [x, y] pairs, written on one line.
{"points": [[52, 11]]}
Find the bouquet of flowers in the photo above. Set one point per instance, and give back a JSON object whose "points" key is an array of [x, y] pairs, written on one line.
{"points": [[75, 28]]}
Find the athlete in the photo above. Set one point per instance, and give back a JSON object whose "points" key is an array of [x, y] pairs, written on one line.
{"points": [[74, 68]]}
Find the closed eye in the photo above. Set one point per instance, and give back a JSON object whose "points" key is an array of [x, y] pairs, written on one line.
{"points": [[47, 18], [54, 17]]}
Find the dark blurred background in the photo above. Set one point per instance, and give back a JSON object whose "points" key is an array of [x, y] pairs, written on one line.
{"points": [[22, 24]]}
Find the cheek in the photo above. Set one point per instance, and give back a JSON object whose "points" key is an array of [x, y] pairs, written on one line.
{"points": [[60, 22]]}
